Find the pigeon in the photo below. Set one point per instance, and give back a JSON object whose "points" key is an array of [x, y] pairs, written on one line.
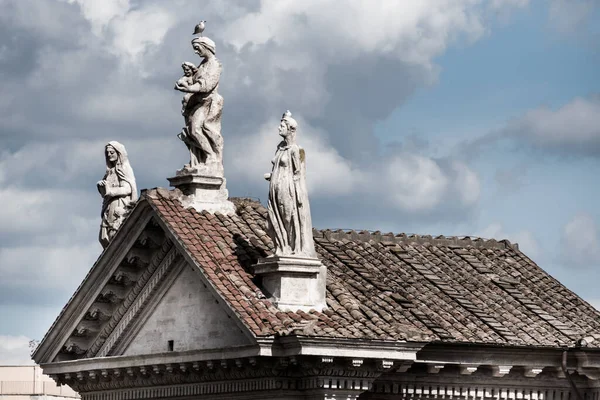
{"points": [[199, 28]]}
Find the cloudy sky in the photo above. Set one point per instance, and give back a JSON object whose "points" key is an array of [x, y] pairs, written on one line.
{"points": [[454, 117]]}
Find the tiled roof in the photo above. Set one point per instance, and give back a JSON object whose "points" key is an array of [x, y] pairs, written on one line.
{"points": [[392, 287]]}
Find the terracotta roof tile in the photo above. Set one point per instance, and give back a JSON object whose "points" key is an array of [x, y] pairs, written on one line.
{"points": [[393, 287]]}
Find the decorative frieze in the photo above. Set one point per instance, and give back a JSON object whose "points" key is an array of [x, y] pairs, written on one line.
{"points": [[192, 390], [140, 302], [344, 376], [113, 329]]}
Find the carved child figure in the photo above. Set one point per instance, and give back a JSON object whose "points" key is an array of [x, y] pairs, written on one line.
{"points": [[189, 69]]}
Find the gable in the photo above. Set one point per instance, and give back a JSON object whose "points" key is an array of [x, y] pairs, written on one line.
{"points": [[190, 316], [143, 262]]}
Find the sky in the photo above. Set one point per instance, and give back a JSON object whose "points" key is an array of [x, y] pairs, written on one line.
{"points": [[454, 117]]}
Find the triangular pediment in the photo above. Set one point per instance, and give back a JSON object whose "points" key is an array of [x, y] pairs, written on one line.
{"points": [[142, 292], [187, 317]]}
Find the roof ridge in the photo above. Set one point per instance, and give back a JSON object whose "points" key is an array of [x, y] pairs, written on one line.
{"points": [[400, 238], [242, 202]]}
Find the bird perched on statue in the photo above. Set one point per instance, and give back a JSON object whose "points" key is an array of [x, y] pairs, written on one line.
{"points": [[199, 28]]}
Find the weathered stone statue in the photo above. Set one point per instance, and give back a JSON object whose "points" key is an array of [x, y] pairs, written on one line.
{"points": [[202, 181], [293, 278], [118, 191], [203, 107], [289, 213]]}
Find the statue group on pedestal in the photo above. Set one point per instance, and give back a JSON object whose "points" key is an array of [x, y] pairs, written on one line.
{"points": [[202, 106]]}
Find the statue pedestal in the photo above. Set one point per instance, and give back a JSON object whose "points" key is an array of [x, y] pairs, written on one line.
{"points": [[293, 283], [202, 192]]}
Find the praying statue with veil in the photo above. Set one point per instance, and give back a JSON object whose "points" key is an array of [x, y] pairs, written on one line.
{"points": [[118, 190]]}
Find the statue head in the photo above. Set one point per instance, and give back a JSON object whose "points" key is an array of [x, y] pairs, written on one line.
{"points": [[288, 125], [189, 68], [203, 46], [114, 154]]}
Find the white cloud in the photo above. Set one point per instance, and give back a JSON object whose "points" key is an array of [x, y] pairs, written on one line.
{"points": [[62, 162], [60, 267], [572, 127], [416, 183], [569, 15], [105, 69], [407, 182], [140, 30], [38, 212], [499, 4], [101, 13], [413, 32], [467, 184], [526, 240], [328, 173], [14, 350], [580, 241], [128, 31]]}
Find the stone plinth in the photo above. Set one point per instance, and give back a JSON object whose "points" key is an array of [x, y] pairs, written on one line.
{"points": [[202, 192], [293, 283]]}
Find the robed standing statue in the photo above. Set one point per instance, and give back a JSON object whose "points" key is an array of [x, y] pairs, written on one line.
{"points": [[289, 218], [118, 190]]}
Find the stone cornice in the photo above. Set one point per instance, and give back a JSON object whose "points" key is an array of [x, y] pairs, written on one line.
{"points": [[532, 360], [378, 349], [489, 354], [303, 373], [300, 374], [87, 364], [93, 283]]}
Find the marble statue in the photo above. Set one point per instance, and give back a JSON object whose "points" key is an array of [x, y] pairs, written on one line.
{"points": [[118, 191], [203, 107], [289, 218]]}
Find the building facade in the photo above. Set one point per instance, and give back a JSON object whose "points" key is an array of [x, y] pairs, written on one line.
{"points": [[24, 382], [173, 309]]}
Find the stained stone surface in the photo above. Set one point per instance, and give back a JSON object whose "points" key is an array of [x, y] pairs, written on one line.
{"points": [[290, 224], [118, 190], [202, 109], [189, 316], [202, 180]]}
